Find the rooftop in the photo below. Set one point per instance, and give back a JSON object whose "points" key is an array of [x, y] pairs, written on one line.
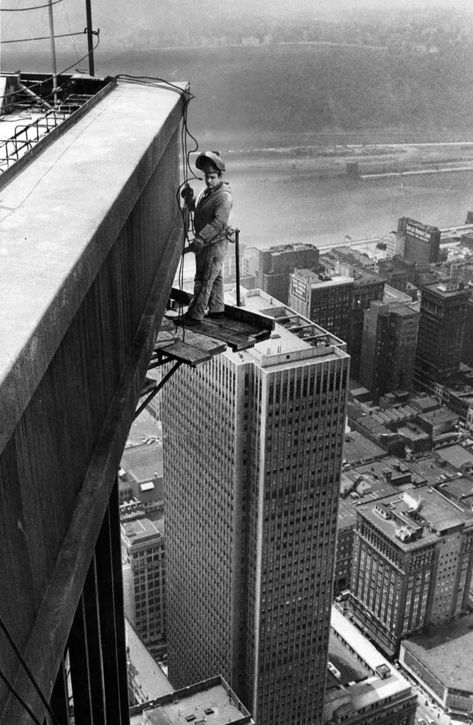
{"points": [[447, 289], [456, 456], [287, 248], [322, 280], [391, 295], [142, 530], [425, 513], [147, 674], [294, 339], [211, 702], [363, 489], [439, 651], [357, 448], [144, 462], [378, 679], [440, 415], [459, 489]]}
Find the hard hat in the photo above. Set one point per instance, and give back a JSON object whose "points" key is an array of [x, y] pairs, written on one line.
{"points": [[210, 161]]}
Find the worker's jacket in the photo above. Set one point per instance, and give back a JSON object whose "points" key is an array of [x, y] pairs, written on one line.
{"points": [[212, 210]]}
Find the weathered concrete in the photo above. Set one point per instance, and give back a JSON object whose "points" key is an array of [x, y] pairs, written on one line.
{"points": [[50, 218], [90, 239]]}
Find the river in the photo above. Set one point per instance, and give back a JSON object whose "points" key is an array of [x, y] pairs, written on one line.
{"points": [[287, 204]]}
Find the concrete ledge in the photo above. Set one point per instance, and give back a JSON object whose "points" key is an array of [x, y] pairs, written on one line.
{"points": [[59, 219]]}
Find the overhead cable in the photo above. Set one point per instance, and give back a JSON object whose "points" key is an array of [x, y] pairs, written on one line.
{"points": [[49, 77], [34, 7], [42, 37]]}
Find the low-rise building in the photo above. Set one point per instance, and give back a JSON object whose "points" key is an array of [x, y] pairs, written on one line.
{"points": [[210, 702], [146, 679], [141, 474], [362, 686], [441, 661]]}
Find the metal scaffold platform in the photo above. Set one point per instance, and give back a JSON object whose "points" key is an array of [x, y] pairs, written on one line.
{"points": [[238, 329]]}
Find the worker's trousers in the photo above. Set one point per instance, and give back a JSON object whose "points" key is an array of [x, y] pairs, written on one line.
{"points": [[208, 281]]}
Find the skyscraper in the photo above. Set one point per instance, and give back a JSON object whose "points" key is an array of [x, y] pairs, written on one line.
{"points": [[143, 569], [276, 263], [421, 241], [326, 300], [441, 328], [388, 348], [252, 457]]}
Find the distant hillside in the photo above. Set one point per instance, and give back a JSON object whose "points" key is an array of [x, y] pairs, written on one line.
{"points": [[290, 94], [275, 92]]}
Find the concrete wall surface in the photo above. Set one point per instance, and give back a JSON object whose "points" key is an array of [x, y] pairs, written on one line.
{"points": [[90, 238]]}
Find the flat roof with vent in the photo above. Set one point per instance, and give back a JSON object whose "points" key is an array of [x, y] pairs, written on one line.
{"points": [[211, 702]]}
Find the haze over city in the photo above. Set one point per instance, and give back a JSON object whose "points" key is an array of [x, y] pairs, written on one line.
{"points": [[272, 489]]}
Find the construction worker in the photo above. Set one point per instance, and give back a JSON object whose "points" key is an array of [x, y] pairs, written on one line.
{"points": [[211, 212]]}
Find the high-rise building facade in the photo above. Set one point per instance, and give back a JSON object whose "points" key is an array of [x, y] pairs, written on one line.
{"points": [[143, 566], [324, 299], [412, 564], [367, 286], [421, 241], [276, 264], [441, 329], [252, 459], [388, 348]]}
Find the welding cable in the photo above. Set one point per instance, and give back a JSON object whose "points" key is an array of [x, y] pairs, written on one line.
{"points": [[34, 7], [19, 698], [14, 647], [186, 97]]}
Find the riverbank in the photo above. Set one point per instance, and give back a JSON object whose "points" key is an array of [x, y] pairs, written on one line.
{"points": [[357, 160]]}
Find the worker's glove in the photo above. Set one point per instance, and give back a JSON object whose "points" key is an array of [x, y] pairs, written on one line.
{"points": [[188, 195], [195, 246]]}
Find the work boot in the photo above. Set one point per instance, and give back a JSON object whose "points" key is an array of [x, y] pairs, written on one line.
{"points": [[188, 321]]}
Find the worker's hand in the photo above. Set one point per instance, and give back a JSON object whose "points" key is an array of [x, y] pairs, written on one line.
{"points": [[188, 195]]}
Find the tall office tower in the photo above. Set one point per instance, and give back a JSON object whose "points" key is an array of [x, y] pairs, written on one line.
{"points": [[421, 241], [441, 328], [323, 299], [367, 287], [388, 348], [252, 458], [276, 264], [143, 567], [467, 347], [412, 564]]}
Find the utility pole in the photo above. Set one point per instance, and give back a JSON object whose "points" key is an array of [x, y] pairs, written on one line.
{"points": [[53, 49], [237, 266], [90, 44]]}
